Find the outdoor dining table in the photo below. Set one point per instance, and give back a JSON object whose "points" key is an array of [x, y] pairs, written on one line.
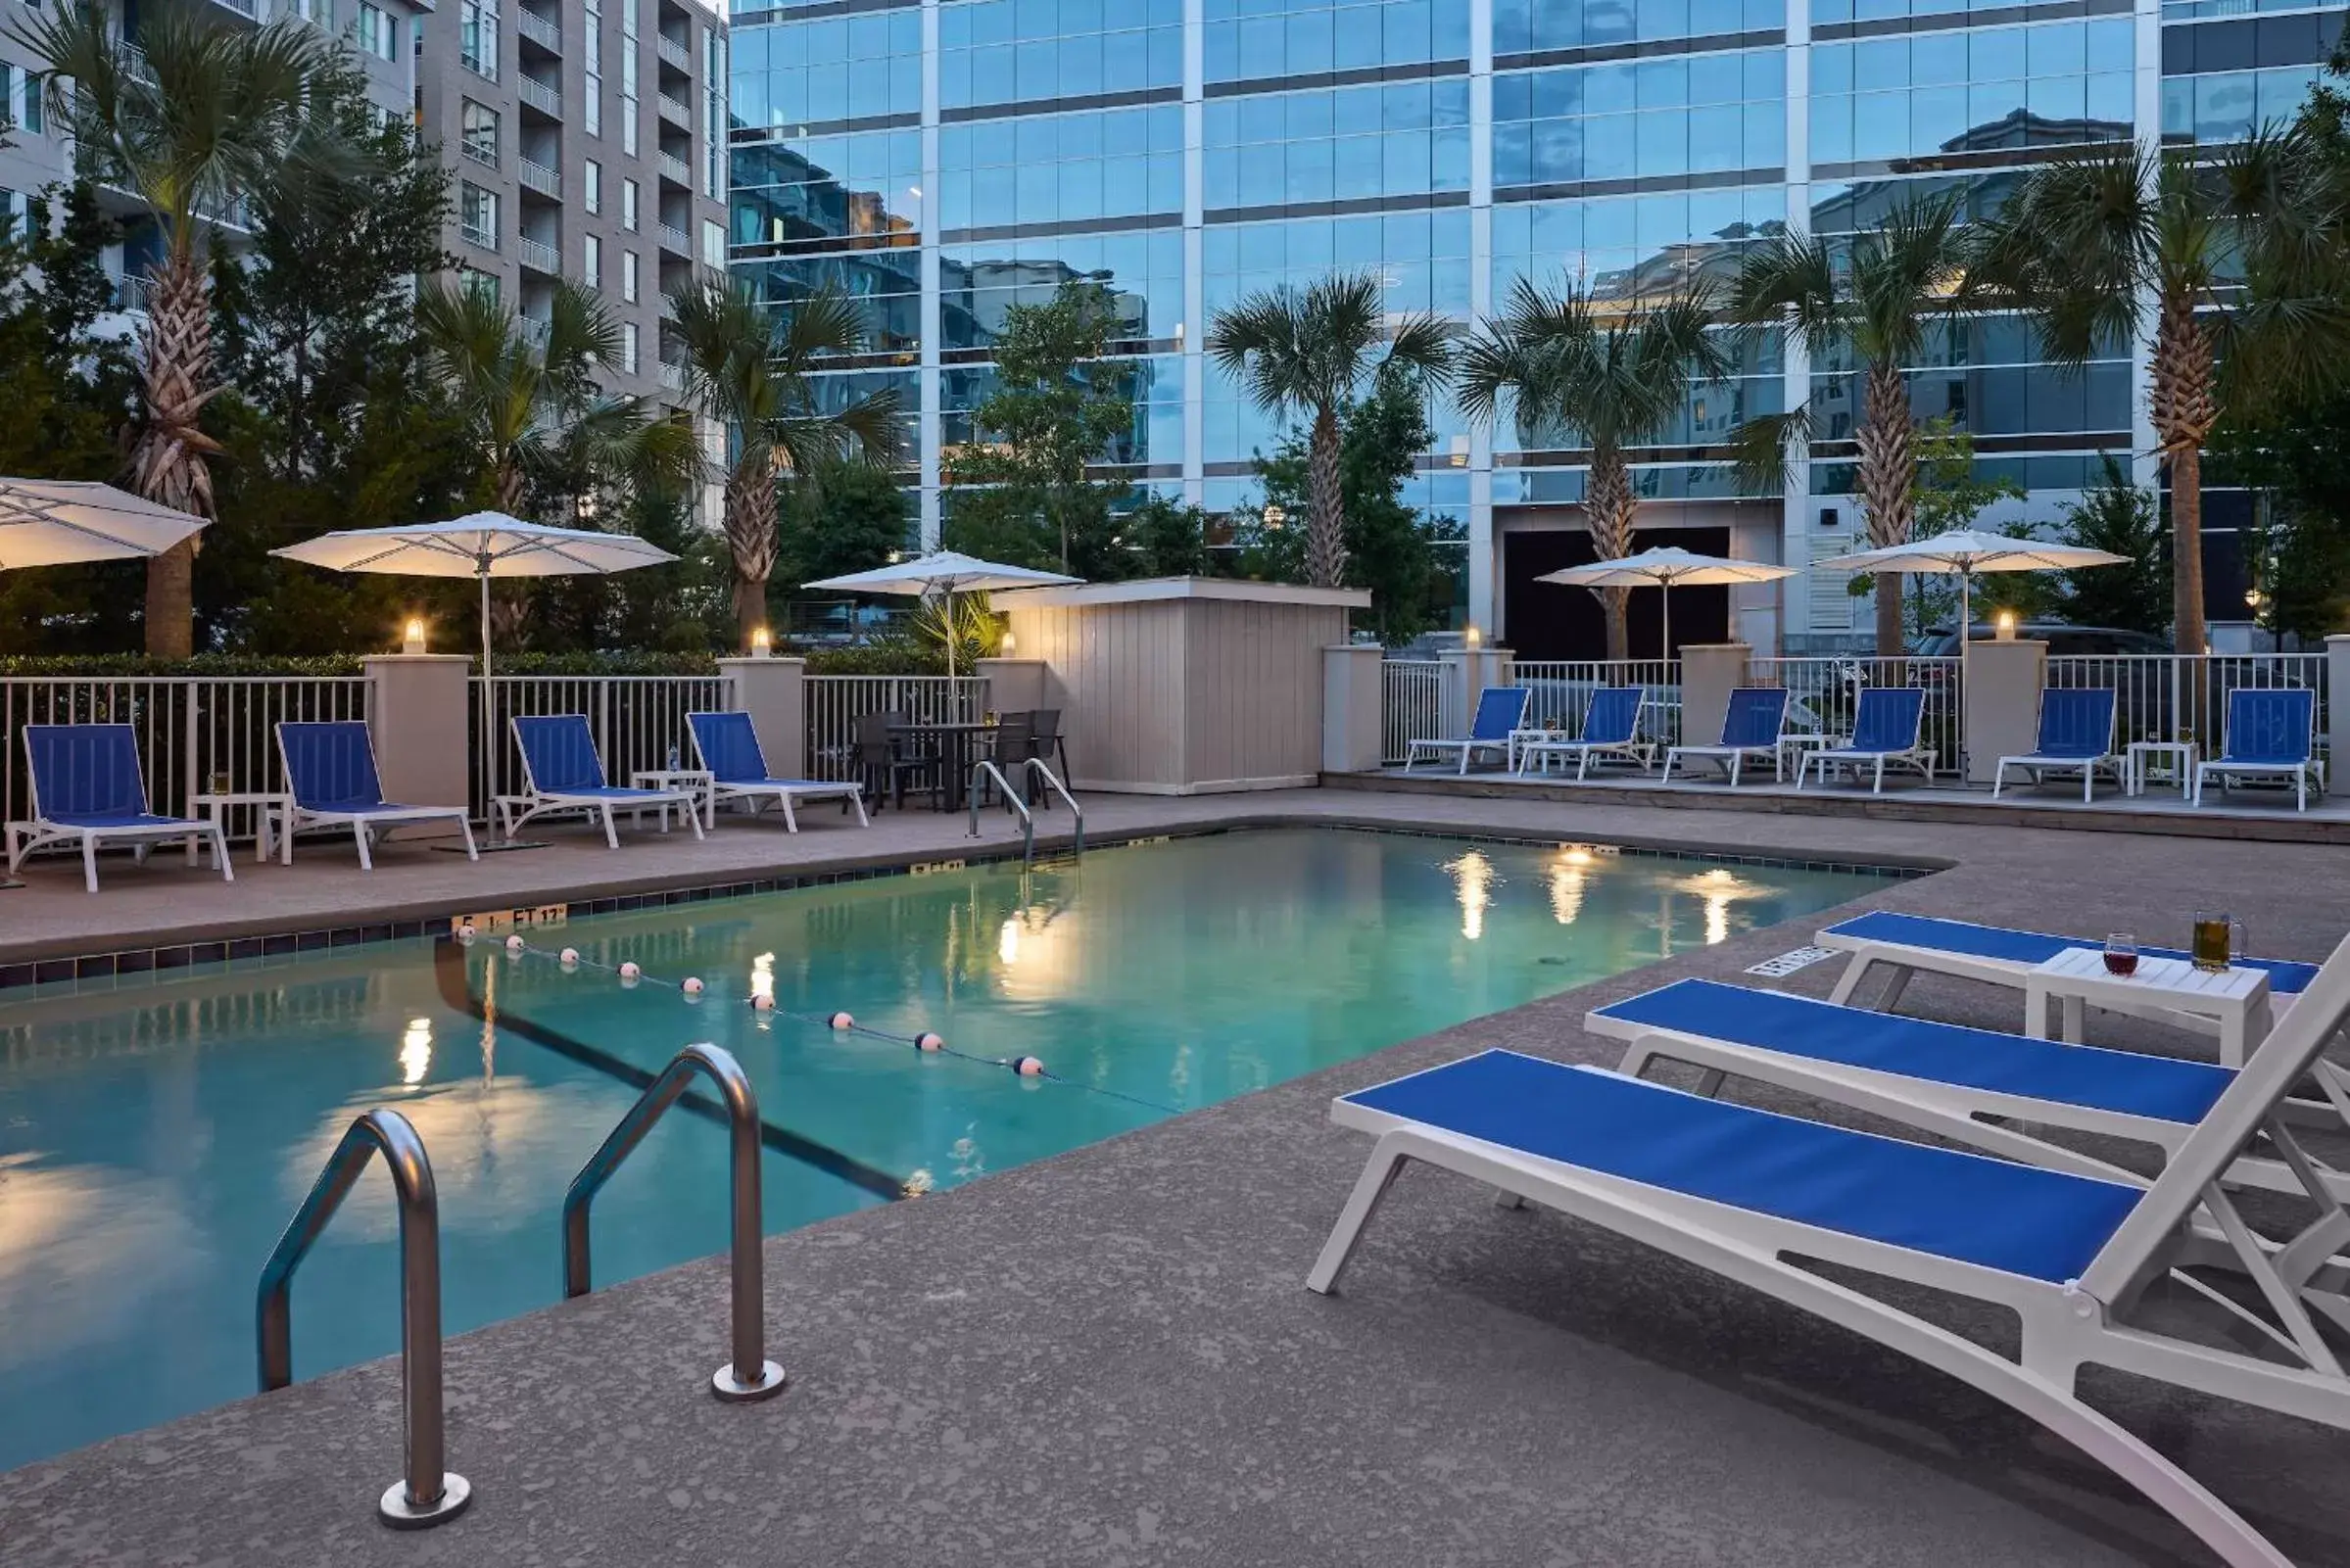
{"points": [[955, 739]]}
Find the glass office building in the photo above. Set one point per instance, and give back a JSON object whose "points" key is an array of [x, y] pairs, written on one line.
{"points": [[943, 160]]}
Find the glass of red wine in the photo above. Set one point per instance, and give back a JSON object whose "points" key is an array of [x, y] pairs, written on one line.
{"points": [[2121, 954]]}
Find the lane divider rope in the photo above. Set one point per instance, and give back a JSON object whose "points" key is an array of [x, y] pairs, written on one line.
{"points": [[928, 1042]]}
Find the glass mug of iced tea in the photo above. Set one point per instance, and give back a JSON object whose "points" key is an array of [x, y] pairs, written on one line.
{"points": [[2121, 954], [2217, 938]]}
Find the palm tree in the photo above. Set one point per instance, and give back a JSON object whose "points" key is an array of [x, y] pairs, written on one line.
{"points": [[1303, 354], [1881, 302], [184, 120], [752, 368], [551, 437], [1616, 380], [2225, 262]]}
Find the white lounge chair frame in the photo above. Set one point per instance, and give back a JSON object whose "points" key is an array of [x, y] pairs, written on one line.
{"points": [[1733, 758], [1903, 961], [783, 793], [38, 832], [1469, 746], [1545, 745], [2065, 1327], [1921, 757], [540, 803], [2309, 770], [299, 818]]}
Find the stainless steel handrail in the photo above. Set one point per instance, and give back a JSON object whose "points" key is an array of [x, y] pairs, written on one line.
{"points": [[1028, 819], [426, 1495], [1037, 765], [749, 1326]]}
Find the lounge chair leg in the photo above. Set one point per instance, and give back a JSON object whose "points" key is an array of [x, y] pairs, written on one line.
{"points": [[791, 822], [89, 862], [611, 834], [1877, 787], [466, 828], [220, 855], [694, 819], [1385, 1165], [858, 800], [359, 835], [1855, 973]]}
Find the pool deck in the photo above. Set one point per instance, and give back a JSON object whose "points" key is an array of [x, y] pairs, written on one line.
{"points": [[1108, 1358]]}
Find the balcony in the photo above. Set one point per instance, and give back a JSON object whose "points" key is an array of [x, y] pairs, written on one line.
{"points": [[540, 178], [674, 53], [531, 27], [676, 111], [537, 95], [676, 241], [673, 376], [250, 10], [674, 169], [131, 291], [538, 256]]}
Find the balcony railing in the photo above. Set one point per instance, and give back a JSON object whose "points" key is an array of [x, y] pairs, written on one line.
{"points": [[539, 255], [541, 97], [673, 376], [539, 177], [548, 35], [676, 241], [675, 53], [674, 169], [131, 291], [676, 111]]}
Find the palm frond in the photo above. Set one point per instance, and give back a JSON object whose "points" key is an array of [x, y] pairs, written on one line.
{"points": [[1764, 449]]}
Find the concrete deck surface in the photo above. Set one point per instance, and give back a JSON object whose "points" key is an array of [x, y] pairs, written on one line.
{"points": [[1108, 1358]]}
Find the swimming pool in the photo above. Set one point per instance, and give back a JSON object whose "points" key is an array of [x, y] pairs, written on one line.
{"points": [[156, 1136]]}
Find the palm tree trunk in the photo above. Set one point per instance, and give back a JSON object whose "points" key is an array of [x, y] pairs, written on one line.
{"points": [[1888, 478], [167, 460], [2183, 408], [1608, 508], [1326, 509], [750, 538]]}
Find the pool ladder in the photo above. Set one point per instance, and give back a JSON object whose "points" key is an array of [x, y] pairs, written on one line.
{"points": [[427, 1495], [1029, 768]]}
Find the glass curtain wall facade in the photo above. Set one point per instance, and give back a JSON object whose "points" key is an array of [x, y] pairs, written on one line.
{"points": [[943, 160]]}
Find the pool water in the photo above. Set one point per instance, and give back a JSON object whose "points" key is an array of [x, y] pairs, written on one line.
{"points": [[155, 1137]]}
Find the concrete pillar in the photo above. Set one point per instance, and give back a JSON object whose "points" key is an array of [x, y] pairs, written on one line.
{"points": [[2338, 710], [2003, 682], [1016, 686], [420, 715], [1466, 672], [1353, 708], [1709, 671], [774, 691]]}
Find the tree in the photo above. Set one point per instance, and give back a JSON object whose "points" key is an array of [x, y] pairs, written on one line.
{"points": [[2116, 515], [750, 369], [187, 118], [1023, 493], [1947, 494], [1387, 544], [1877, 303], [1615, 381], [1303, 355], [842, 517], [1169, 538], [2223, 261]]}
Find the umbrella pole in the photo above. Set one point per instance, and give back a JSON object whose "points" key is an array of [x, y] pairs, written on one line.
{"points": [[1666, 588], [488, 709], [1966, 635]]}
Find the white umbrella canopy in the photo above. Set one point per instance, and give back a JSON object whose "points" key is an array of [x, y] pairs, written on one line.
{"points": [[483, 546], [62, 522], [1666, 567], [943, 571]]}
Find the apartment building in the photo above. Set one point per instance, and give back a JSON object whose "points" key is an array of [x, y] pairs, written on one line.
{"points": [[589, 141]]}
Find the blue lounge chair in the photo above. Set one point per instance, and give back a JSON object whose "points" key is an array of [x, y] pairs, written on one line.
{"points": [[2076, 735], [1610, 728], [1941, 1078], [1885, 729], [2270, 735], [330, 774], [88, 788], [1750, 728], [563, 774], [1499, 711], [1760, 1199], [729, 748]]}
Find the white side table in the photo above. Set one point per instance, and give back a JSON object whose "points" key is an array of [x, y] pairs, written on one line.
{"points": [[2178, 759], [1794, 743], [698, 781], [2236, 999], [214, 807]]}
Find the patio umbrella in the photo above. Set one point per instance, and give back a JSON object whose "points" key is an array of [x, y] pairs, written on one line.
{"points": [[62, 522], [1663, 567], [1966, 552], [65, 522], [945, 571], [482, 545]]}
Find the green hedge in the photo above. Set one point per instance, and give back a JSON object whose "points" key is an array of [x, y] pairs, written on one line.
{"points": [[821, 661]]}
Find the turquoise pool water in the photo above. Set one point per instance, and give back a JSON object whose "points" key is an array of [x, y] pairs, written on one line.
{"points": [[155, 1138]]}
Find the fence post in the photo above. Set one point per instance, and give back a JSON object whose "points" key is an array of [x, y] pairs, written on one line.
{"points": [[1353, 708], [191, 778], [420, 714], [1710, 673], [774, 691], [2337, 708], [1466, 672], [2001, 703]]}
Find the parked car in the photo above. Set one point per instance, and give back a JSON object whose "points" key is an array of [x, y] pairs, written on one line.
{"points": [[2064, 641]]}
